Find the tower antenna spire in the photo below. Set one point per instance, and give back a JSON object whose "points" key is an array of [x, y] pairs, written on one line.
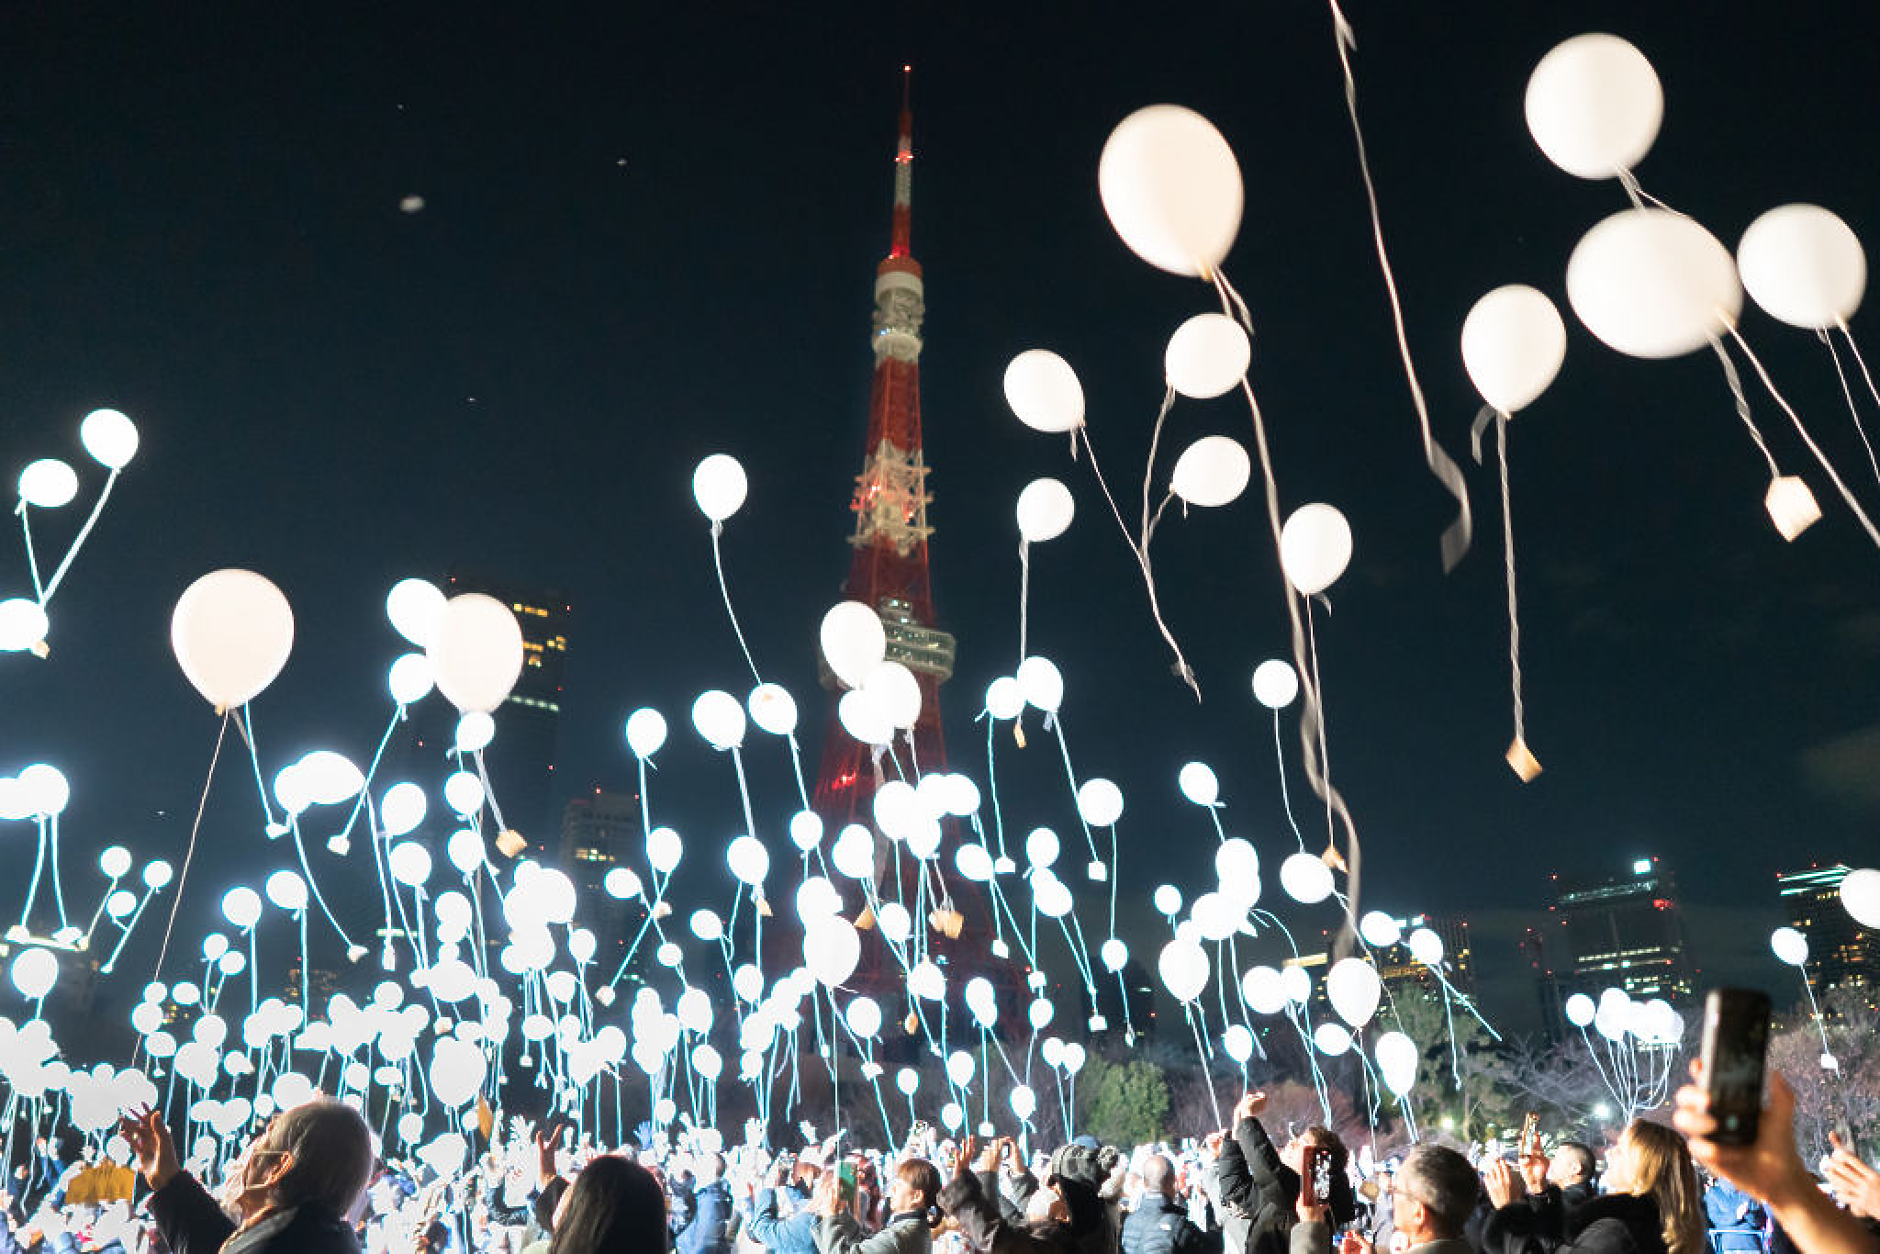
{"points": [[904, 171]]}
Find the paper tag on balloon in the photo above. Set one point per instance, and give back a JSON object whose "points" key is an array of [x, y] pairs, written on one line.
{"points": [[604, 995], [1098, 1023], [1522, 761], [1000, 949], [1098, 872], [338, 845], [510, 842], [277, 830], [1004, 866]]}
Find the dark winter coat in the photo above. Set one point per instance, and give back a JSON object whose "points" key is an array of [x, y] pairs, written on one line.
{"points": [[974, 1204], [192, 1223], [1161, 1226], [1273, 1192], [903, 1234], [1617, 1223]]}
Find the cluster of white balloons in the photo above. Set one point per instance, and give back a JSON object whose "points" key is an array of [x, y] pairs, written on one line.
{"points": [[1617, 1016]]}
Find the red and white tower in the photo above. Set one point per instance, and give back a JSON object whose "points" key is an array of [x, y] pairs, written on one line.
{"points": [[888, 569]]}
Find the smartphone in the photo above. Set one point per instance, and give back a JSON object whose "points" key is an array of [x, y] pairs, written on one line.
{"points": [[1315, 1182], [845, 1182], [1530, 1130], [1736, 1032]]}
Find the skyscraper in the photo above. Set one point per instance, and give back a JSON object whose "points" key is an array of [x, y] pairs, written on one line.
{"points": [[1841, 953], [598, 831], [1626, 931]]}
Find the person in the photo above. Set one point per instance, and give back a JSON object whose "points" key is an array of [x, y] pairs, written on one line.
{"points": [[613, 1207], [1771, 1169], [1571, 1171], [1159, 1225], [1855, 1183], [1271, 1189], [1433, 1192], [1062, 1216], [784, 1233], [713, 1227], [1653, 1205], [291, 1188], [911, 1214], [1736, 1218]]}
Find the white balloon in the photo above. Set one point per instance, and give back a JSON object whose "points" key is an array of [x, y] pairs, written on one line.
{"points": [[287, 890], [1237, 1041], [1043, 391], [48, 483], [1199, 784], [621, 883], [1005, 700], [1100, 802], [1579, 1010], [44, 789], [853, 854], [402, 808], [806, 830], [1045, 509], [1594, 105], [231, 632], [1275, 684], [1331, 1039], [719, 485], [974, 862], [1860, 895], [1216, 916], [748, 859], [1207, 356], [409, 863], [895, 692], [719, 718], [1024, 1102], [1184, 969], [1041, 847], [466, 852], [895, 922], [854, 641], [34, 972], [1306, 878], [1353, 989], [646, 732], [1804, 266], [409, 678], [475, 730], [1652, 283], [476, 652], [1050, 895], [464, 792], [115, 862], [1379, 929], [1297, 983], [1397, 1059], [863, 717], [960, 1068], [1168, 900], [1314, 547], [1172, 189], [664, 848], [1237, 868], [864, 1018], [907, 1080], [110, 438], [415, 607], [1263, 990], [242, 907], [1042, 684], [1114, 954], [773, 709], [1212, 471], [1789, 946], [23, 624], [1426, 946], [1513, 342], [831, 949]]}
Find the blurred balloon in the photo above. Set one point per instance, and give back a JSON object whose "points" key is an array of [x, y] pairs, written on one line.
{"points": [[1172, 189], [231, 632], [853, 641], [1306, 878], [646, 732], [1804, 266], [415, 607], [1045, 509], [1198, 783], [1043, 391], [1513, 342], [1314, 547], [1275, 684], [110, 438], [476, 652], [1212, 471], [1207, 356], [1652, 283], [719, 485], [1594, 105], [48, 483]]}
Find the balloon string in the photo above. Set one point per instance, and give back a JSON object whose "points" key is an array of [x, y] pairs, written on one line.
{"points": [[245, 726], [58, 890], [1024, 593], [32, 560], [1735, 383], [1285, 795], [1769, 384], [1514, 619], [489, 792], [1846, 391], [724, 590], [313, 886], [1148, 469], [1139, 548], [39, 861], [58, 576], [1455, 539], [189, 854], [1638, 195], [1311, 714], [1324, 740]]}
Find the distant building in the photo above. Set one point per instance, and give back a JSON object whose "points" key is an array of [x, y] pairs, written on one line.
{"points": [[598, 832], [1399, 969], [1841, 953], [521, 760], [1547, 991], [1626, 932]]}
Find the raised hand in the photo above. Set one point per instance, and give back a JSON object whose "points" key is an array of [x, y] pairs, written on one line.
{"points": [[1499, 1178], [1855, 1183], [546, 1143], [1768, 1169], [151, 1145]]}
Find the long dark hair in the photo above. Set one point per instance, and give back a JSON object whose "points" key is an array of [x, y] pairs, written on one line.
{"points": [[924, 1178], [613, 1205]]}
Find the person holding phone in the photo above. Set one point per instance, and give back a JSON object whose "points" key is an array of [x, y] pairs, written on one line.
{"points": [[1653, 1205], [1274, 1176], [912, 1214]]}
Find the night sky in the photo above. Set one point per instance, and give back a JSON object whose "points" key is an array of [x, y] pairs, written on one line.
{"points": [[649, 234]]}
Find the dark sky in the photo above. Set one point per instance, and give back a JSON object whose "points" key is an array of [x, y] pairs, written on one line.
{"points": [[649, 234]]}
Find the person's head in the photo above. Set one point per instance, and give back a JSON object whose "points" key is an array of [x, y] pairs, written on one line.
{"points": [[319, 1152], [1158, 1175], [1572, 1164], [1651, 1160], [916, 1184], [1294, 1155], [612, 1205], [1432, 1194]]}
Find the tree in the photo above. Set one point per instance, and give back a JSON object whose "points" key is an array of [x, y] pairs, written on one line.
{"points": [[1845, 1097], [1462, 1083], [1122, 1103]]}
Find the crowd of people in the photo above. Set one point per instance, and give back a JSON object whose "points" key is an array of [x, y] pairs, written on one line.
{"points": [[312, 1183]]}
